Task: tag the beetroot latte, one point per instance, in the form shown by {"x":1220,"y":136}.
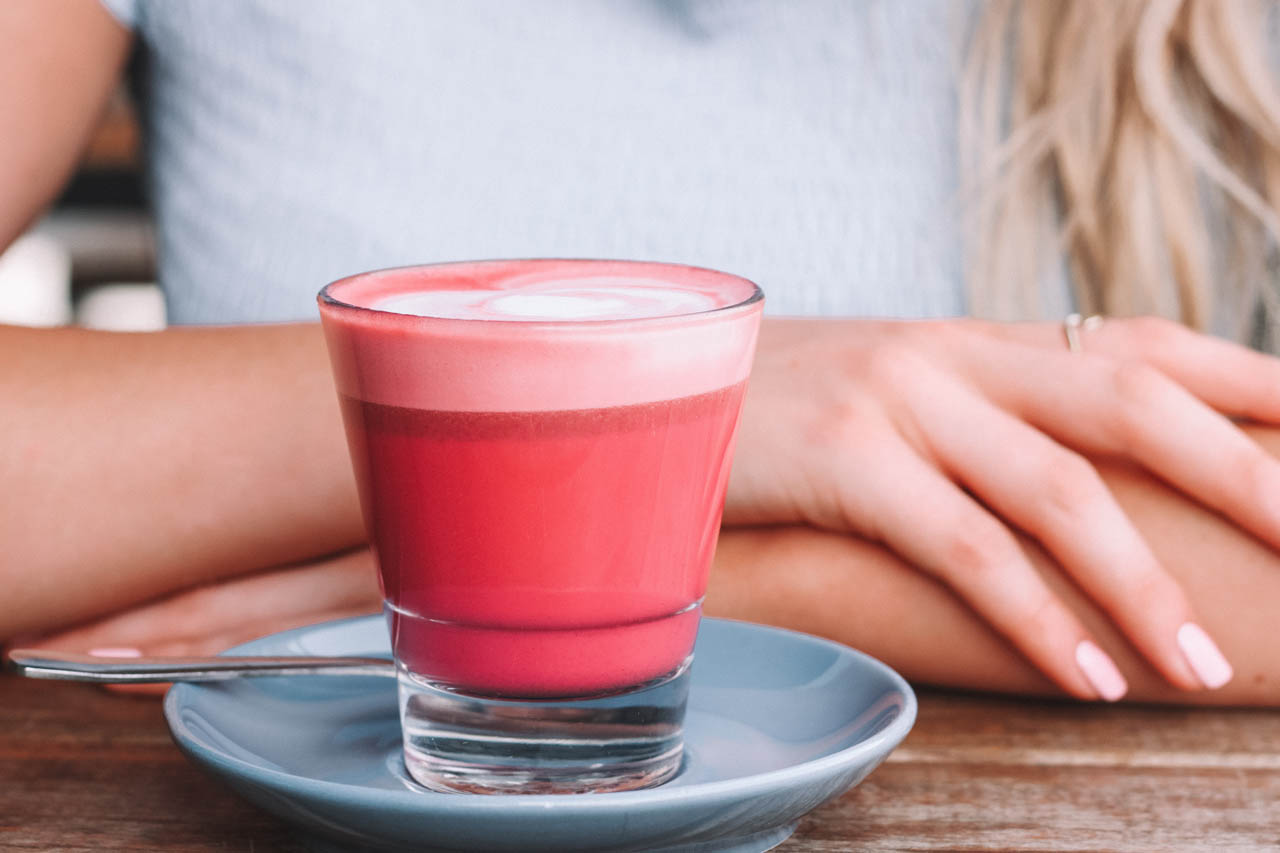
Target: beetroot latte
{"x":542,"y":450}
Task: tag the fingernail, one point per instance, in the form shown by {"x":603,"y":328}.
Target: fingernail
{"x":116,"y":652}
{"x":1210,"y":666}
{"x":1101,"y":671}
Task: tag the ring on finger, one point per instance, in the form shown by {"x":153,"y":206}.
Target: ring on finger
{"x":1073,"y":327}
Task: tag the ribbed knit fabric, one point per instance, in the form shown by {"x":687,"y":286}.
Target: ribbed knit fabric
{"x":807,"y":145}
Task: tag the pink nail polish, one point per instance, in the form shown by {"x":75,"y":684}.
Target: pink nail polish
{"x":116,"y":652}
{"x":1101,"y":671}
{"x":1202,"y":653}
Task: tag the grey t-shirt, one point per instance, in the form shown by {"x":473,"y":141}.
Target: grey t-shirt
{"x":809,"y":146}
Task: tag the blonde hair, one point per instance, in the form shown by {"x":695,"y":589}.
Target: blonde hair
{"x":1138,"y":141}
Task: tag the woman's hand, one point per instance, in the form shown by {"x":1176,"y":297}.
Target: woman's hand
{"x":209,"y":619}
{"x":940,"y":438}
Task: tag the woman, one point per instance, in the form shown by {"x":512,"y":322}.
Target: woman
{"x":978,"y":504}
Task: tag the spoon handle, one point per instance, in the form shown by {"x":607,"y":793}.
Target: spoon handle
{"x":40,"y":663}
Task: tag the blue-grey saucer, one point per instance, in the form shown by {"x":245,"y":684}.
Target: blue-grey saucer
{"x":778,"y":724}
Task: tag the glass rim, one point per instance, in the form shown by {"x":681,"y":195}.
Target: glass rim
{"x":327,"y":299}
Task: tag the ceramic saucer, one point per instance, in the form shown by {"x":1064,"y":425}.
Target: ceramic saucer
{"x":778,"y":724}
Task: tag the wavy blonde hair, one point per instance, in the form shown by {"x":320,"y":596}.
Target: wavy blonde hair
{"x":1139,"y":141}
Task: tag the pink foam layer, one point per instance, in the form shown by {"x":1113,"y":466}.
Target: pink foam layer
{"x":514,"y":365}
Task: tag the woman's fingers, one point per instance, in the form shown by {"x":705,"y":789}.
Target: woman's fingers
{"x":905,"y":502}
{"x":211,"y":644}
{"x":211,"y":618}
{"x":1131,"y":410}
{"x":1233,"y":379}
{"x":1057,"y":497}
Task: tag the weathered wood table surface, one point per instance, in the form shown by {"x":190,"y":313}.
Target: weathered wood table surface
{"x":82,"y":769}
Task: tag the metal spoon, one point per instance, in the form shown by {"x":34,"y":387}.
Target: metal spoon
{"x":40,"y":663}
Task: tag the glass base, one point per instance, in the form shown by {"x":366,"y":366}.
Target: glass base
{"x":470,"y":744}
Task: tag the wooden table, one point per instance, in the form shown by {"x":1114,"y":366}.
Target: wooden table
{"x":82,"y":769}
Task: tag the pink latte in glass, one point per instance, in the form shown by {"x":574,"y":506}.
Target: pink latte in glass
{"x":542,"y":450}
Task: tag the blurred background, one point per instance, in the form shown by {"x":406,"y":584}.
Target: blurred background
{"x":91,"y":259}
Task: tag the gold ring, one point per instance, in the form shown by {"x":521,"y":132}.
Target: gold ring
{"x":1072,"y":326}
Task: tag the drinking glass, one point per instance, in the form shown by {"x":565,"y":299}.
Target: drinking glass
{"x":541,"y":449}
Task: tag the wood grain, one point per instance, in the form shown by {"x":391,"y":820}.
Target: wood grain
{"x":981,"y":773}
{"x":83,"y":769}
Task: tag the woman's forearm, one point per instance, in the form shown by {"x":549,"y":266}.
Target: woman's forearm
{"x":861,"y":594}
{"x":137,"y":464}
{"x":59,"y":64}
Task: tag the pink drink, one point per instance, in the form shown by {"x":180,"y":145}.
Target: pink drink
{"x":542,"y":449}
